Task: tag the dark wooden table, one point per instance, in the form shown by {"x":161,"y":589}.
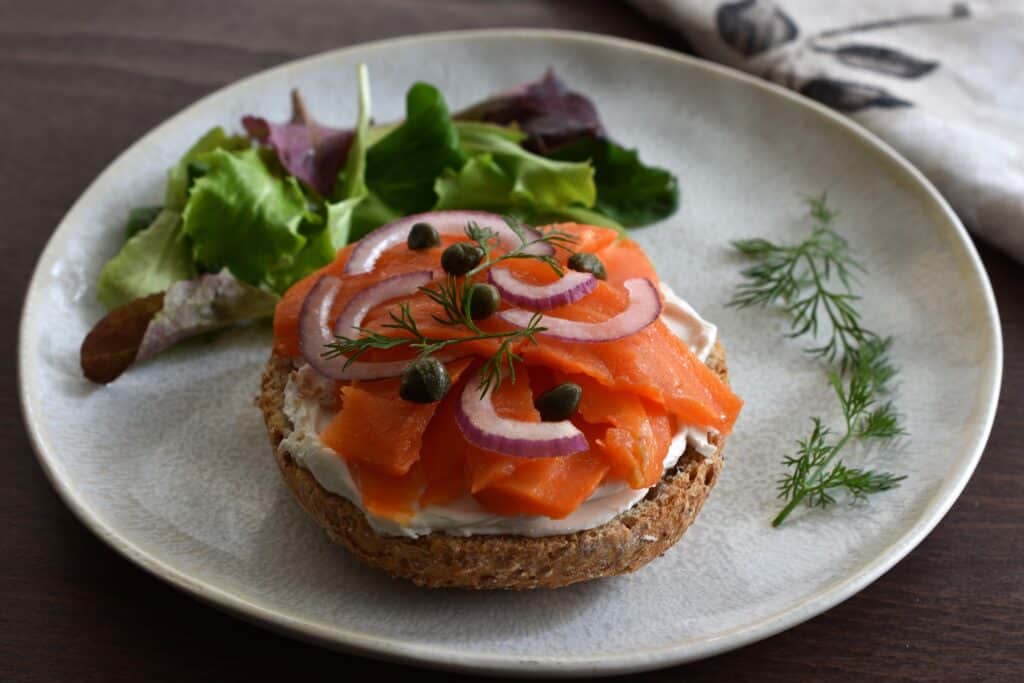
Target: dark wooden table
{"x":80,"y":81}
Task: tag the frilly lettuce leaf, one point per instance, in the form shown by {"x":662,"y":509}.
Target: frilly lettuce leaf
{"x":240,"y":216}
{"x":480,"y":184}
{"x":140,"y":218}
{"x":181,"y":175}
{"x":543,"y":183}
{"x":321,"y":248}
{"x":484,"y":185}
{"x":148,"y":262}
{"x":310,"y":151}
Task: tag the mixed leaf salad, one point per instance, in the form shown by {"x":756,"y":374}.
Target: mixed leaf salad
{"x":246,"y":216}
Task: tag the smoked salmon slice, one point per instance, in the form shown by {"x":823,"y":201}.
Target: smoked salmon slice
{"x":552,"y":487}
{"x":388,"y":496}
{"x":654,"y":363}
{"x":405,"y":456}
{"x":378,"y":429}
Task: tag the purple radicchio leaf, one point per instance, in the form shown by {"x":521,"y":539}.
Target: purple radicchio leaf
{"x":312,"y":152}
{"x":546,"y":110}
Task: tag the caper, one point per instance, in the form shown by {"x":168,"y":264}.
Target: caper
{"x":559,"y":403}
{"x":588,"y":263}
{"x":461,"y":257}
{"x":424,"y":380}
{"x":423,"y":236}
{"x":484,"y":301}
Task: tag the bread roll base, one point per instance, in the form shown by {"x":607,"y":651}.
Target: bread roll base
{"x":438,"y":560}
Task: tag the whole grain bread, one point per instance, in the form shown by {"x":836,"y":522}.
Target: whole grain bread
{"x":624,"y":544}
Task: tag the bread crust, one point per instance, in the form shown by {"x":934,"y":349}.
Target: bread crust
{"x":624,"y":544}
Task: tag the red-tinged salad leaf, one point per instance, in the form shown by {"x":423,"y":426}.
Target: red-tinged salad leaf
{"x":546,"y":110}
{"x":564,"y":125}
{"x":204,"y":304}
{"x":310,"y":151}
{"x":144,"y":327}
{"x":112,"y":345}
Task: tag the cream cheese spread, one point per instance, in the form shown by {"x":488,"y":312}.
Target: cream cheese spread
{"x":465,"y":516}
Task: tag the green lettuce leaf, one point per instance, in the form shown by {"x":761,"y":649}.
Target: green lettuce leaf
{"x":402,"y":166}
{"x":370,"y":215}
{"x":481,"y":184}
{"x":538,"y":181}
{"x":180,"y":177}
{"x":147,"y":263}
{"x":241,"y":217}
{"x":478,"y":129}
{"x":629,"y":191}
{"x":334,"y":230}
{"x":484,"y":185}
{"x":321,"y":248}
{"x":139,"y":219}
{"x":353,"y":176}
{"x":574,"y":214}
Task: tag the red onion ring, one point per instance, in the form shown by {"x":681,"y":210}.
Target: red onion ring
{"x":572,"y":287}
{"x":484,"y":428}
{"x":643,"y":309}
{"x":315,"y":331}
{"x":389,"y":288}
{"x":451,"y":223}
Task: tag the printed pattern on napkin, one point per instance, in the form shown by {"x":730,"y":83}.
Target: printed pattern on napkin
{"x":940,"y":81}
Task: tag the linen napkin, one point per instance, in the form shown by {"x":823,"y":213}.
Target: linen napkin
{"x":942,"y":82}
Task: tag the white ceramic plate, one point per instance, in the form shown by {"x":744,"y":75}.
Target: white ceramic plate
{"x":170,"y":464}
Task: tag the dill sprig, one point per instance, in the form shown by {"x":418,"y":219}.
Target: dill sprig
{"x":453,"y":295}
{"x":800,"y":278}
{"x":815,"y":473}
{"x":813,"y":283}
{"x":498,"y":365}
{"x":487,"y":239}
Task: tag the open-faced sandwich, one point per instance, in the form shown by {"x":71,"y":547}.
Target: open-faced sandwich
{"x":464,"y":401}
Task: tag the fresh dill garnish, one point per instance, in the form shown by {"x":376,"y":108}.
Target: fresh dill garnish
{"x":486,"y":239}
{"x":494,"y":368}
{"x":800,"y":278}
{"x":453,"y":296}
{"x":812,"y":282}
{"x":815,"y":473}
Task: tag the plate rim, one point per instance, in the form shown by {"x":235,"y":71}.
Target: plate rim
{"x":678,"y":652}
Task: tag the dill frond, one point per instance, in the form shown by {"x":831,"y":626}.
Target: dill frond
{"x":812,"y":282}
